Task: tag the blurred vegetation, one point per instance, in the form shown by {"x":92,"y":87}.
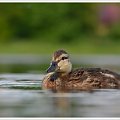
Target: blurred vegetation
{"x":63,"y":21}
{"x":44,"y":27}
{"x":32,"y":87}
{"x":41,"y":68}
{"x":20,"y":68}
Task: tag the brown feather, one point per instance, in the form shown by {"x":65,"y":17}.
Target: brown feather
{"x":86,"y":79}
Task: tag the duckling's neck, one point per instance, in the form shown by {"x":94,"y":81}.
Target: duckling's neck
{"x":64,"y":78}
{"x":63,"y":74}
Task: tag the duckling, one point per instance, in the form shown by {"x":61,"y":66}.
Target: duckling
{"x":62,"y":76}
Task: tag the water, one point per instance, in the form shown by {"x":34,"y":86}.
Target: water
{"x":21,"y":96}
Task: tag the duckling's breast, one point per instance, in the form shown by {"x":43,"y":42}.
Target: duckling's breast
{"x":48,"y":84}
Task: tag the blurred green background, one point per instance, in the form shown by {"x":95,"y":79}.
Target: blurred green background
{"x":42,"y":28}
{"x":31,"y":32}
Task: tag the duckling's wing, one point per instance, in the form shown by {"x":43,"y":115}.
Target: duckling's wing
{"x":83,"y":72}
{"x":95,"y":78}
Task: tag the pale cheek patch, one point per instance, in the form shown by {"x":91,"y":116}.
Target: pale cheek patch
{"x":65,"y":66}
{"x":61,"y":65}
{"x":107,"y":75}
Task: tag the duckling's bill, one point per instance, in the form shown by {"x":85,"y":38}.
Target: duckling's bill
{"x":53,"y":67}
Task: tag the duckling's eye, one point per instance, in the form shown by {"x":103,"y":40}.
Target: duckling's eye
{"x":63,"y":58}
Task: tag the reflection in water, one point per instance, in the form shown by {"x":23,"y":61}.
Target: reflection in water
{"x":43,"y":103}
{"x":63,"y":103}
{"x":100,"y":103}
{"x":38,"y":103}
{"x":62,"y":106}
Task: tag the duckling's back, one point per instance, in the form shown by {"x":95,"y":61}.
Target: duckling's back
{"x":94,"y":78}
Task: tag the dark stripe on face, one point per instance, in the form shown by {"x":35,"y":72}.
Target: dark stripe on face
{"x":58,"y":53}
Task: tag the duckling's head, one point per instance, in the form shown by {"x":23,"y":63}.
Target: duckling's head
{"x":60,"y":62}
